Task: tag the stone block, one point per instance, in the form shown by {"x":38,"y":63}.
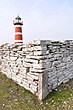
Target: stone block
{"x":13,"y":58}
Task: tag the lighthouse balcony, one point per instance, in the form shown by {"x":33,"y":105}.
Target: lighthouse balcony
{"x":17,"y":22}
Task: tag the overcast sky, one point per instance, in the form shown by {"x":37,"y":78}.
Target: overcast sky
{"x":43,"y":19}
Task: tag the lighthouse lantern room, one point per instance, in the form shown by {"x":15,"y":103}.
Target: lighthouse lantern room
{"x":18,"y":30}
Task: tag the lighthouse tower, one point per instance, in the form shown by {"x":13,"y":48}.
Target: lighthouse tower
{"x":18,"y":30}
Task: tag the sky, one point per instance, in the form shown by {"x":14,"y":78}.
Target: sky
{"x":42,"y":19}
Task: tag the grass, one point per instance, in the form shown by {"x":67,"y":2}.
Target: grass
{"x":14,"y":97}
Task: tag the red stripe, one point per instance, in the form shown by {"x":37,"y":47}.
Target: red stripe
{"x":18,"y":29}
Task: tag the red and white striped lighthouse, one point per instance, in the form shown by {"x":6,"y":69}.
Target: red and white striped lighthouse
{"x":18,"y":30}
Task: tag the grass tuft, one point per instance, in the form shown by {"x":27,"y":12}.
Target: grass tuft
{"x":14,"y":97}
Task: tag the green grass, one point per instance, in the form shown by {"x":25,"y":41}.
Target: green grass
{"x":14,"y":97}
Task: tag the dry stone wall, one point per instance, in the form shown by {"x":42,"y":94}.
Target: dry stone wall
{"x":39,"y":66}
{"x":58,"y":64}
{"x":21,"y":63}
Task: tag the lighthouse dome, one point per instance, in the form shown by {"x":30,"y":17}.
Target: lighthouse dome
{"x":18,"y":18}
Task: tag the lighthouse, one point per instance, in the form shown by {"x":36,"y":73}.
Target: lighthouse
{"x":18,"y":39}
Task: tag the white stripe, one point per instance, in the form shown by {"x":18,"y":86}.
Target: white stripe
{"x":18,"y":33}
{"x":18,"y":26}
{"x":18,"y":40}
